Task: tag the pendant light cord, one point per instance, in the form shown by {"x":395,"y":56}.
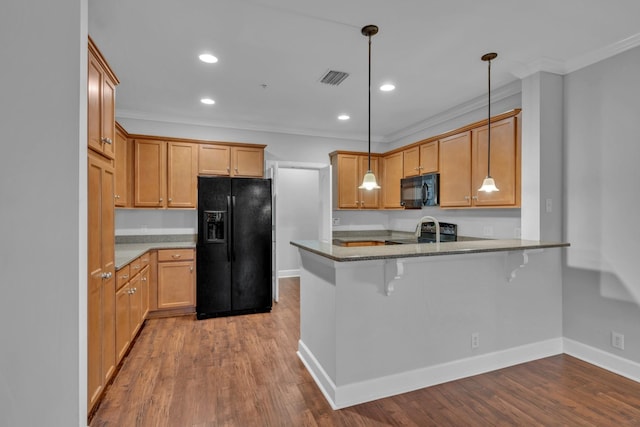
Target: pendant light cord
{"x":369,"y":113}
{"x":489,"y":121}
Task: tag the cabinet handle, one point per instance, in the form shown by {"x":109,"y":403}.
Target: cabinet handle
{"x":104,"y":275}
{"x":176,"y":256}
{"x":475,"y":197}
{"x":144,"y":279}
{"x":106,"y":140}
{"x":466,"y":197}
{"x":125,"y":276}
{"x":136,"y":267}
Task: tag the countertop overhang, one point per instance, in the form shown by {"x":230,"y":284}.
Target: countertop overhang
{"x":366,"y":253}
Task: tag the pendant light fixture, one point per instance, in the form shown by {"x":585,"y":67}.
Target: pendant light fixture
{"x":369,"y":180}
{"x":489,"y":184}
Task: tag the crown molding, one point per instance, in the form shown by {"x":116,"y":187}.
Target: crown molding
{"x":498,"y":94}
{"x":242,"y":126}
{"x":576,"y":63}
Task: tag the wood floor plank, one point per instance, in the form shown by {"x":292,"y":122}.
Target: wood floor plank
{"x":243,"y":371}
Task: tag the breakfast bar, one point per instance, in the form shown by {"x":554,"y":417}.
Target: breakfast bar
{"x":380,"y":320}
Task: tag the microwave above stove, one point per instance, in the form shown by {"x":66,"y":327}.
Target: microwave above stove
{"x":419,"y":191}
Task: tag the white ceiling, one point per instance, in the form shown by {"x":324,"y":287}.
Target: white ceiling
{"x":430,"y":49}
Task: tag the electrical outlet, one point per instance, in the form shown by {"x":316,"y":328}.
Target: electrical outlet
{"x":488,"y":230}
{"x":336,"y":221}
{"x":517,"y":232}
{"x":617,"y":340}
{"x":548,"y":205}
{"x":475,"y":340}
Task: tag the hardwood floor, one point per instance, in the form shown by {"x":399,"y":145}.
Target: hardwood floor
{"x":243,"y":371}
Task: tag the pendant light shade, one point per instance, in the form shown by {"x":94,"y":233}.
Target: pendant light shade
{"x":369,"y":180}
{"x":489,"y":184}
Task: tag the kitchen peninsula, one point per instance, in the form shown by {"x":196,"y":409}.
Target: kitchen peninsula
{"x":376,"y":321}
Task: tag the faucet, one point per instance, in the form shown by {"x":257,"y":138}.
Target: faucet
{"x":428,"y":218}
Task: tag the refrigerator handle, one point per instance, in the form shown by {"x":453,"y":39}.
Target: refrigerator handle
{"x":229,"y":237}
{"x":233,"y":237}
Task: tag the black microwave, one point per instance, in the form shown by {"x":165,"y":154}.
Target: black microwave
{"x":419,"y":191}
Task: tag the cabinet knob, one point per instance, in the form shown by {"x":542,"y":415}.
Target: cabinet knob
{"x":228,"y":169}
{"x":191,"y":269}
{"x":106,"y":275}
{"x":475,"y":197}
{"x":236,"y":169}
{"x":144,"y":279}
{"x":161,"y":199}
{"x":466,"y":197}
{"x":125,"y":276}
{"x":170,"y":199}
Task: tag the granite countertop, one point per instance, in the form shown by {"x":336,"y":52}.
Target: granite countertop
{"x":364,"y":253}
{"x":128,"y":249}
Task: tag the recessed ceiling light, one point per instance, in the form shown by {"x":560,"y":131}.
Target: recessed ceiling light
{"x":207,"y":101}
{"x":343,"y":117}
{"x":208,"y":58}
{"x":387,"y":87}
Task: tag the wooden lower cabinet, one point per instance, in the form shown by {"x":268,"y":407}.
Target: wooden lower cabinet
{"x":176,"y":279}
{"x":132,"y":302}
{"x":101,"y":275}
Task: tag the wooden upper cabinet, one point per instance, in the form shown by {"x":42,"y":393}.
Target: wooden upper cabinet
{"x":429,"y":157}
{"x":455,"y":170}
{"x":214,"y":159}
{"x":182,"y":172}
{"x":101,"y":84}
{"x":230,"y":160}
{"x":247,"y":161}
{"x":505,"y":163}
{"x":369,"y":199}
{"x":123,"y":165}
{"x":150,"y":173}
{"x":463,"y":166}
{"x":392,"y":173}
{"x":348,"y":171}
{"x":411,"y":162}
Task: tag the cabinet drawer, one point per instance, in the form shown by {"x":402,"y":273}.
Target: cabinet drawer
{"x":122,"y":276}
{"x":134,"y":267}
{"x":144,"y":260}
{"x":175,"y":254}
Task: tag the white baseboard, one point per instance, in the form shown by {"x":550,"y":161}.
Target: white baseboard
{"x":603,"y":359}
{"x":288,"y":273}
{"x":377,"y":388}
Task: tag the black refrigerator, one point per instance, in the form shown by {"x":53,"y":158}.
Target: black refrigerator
{"x":234,"y":266}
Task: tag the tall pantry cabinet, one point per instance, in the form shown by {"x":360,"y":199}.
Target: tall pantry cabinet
{"x":101,"y":351}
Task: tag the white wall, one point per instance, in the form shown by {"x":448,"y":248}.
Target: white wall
{"x":601,"y":285}
{"x":156,"y":221}
{"x":297,"y":215}
{"x":43,"y":224}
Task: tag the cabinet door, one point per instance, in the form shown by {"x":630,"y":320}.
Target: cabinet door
{"x":144,"y":292}
{"x":123,"y":321}
{"x":150,"y":173}
{"x":455,"y":170}
{"x":247,"y":161}
{"x":411,"y":162}
{"x":108,"y":121}
{"x":101,"y":276}
{"x":176,"y":284}
{"x":214,"y":160}
{"x":122,"y":170}
{"x":429,"y":157}
{"x":94,"y":104}
{"x":504,"y":154}
{"x":369,"y":199}
{"x":392,"y":172}
{"x":348,"y":166}
{"x":182,"y":173}
{"x":135,"y":306}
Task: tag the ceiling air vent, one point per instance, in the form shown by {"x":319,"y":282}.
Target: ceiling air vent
{"x":334,"y":78}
